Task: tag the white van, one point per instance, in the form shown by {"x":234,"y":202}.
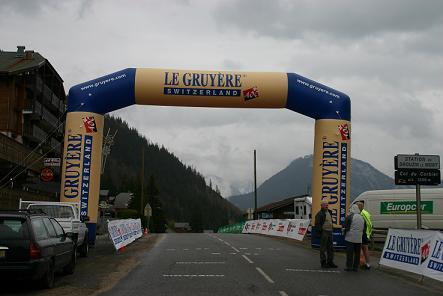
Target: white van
{"x":397,"y":208}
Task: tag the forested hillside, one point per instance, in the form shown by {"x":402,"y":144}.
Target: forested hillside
{"x":182,"y":191}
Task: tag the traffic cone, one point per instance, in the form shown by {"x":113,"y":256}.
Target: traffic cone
{"x":122,"y":249}
{"x":145,"y":233}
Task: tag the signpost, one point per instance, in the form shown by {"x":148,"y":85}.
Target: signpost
{"x":416,"y":169}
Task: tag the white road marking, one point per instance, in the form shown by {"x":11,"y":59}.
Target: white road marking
{"x":247,"y":259}
{"x":247,"y":253}
{"x":312,"y":270}
{"x":193,"y":275}
{"x":235,"y":249}
{"x":283,"y":293}
{"x":264,"y":275}
{"x":243,"y":248}
{"x":215,"y":253}
{"x":185,"y":249}
{"x":258,"y":248}
{"x":200,"y":262}
{"x":233,"y":253}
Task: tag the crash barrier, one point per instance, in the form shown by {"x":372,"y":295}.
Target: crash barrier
{"x":290,"y":228}
{"x":232,"y":228}
{"x":125,"y":231}
{"x":417,"y":251}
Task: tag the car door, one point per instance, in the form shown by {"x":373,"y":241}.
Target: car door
{"x":66,"y":245}
{"x":41,"y":237}
{"x":59,"y":252}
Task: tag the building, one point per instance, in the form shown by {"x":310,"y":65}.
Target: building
{"x":296,"y":207}
{"x":32,"y":106}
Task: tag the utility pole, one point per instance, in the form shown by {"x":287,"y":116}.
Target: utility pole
{"x":142,"y":181}
{"x":418,"y":203}
{"x":255,"y":185}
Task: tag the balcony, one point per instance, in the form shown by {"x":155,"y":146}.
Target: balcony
{"x":18,"y":154}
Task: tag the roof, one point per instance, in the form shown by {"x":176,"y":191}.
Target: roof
{"x":13,"y":64}
{"x":122,"y":200}
{"x":279,"y":204}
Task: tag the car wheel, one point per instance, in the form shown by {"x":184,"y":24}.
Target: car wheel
{"x":47,"y":281}
{"x":84,"y":248}
{"x":69,"y":269}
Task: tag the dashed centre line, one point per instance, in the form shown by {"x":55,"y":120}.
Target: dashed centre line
{"x":247,"y":259}
{"x":312,"y":270}
{"x":267,"y":277}
{"x":200,"y":262}
{"x":283,"y":293}
{"x":193,"y":275}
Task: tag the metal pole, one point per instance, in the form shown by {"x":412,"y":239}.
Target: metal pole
{"x":142,"y":180}
{"x":418,"y":200}
{"x":255,"y":185}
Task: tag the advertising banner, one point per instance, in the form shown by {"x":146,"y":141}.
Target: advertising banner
{"x":80,"y":180}
{"x":407,"y":249}
{"x":297,"y":228}
{"x":123,"y":232}
{"x":331,"y":173}
{"x":433,"y":264}
{"x":211,"y":88}
{"x":294,"y":228}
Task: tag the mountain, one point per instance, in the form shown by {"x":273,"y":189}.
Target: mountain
{"x":295,"y":179}
{"x":182,"y":191}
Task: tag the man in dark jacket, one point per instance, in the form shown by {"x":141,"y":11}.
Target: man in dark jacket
{"x":324,"y":228}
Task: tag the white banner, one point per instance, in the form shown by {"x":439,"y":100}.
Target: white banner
{"x":124,"y":232}
{"x":417,"y":251}
{"x":433,"y":264}
{"x":294,"y":228}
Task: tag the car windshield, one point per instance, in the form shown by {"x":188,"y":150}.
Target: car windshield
{"x":12,"y":228}
{"x":55,"y":211}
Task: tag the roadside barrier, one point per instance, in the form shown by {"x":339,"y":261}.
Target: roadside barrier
{"x":417,"y":251}
{"x":290,"y":228}
{"x":125,"y":231}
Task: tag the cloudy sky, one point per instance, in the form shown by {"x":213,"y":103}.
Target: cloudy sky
{"x":386,"y":55}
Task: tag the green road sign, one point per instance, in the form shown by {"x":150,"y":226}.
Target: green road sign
{"x":405,"y":207}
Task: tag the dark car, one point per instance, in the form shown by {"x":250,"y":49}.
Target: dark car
{"x":34,"y":246}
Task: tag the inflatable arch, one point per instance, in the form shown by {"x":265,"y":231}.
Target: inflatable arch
{"x":89,"y":101}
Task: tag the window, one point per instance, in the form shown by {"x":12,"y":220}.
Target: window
{"x":304,"y":210}
{"x":58,"y":228}
{"x":39,"y":228}
{"x":296,"y":210}
{"x":11,"y":228}
{"x":55,"y":211}
{"x":49,"y":227}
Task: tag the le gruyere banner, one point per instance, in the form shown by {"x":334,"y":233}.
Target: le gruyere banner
{"x":210,"y":88}
{"x":331,"y":168}
{"x":80,"y":180}
{"x":417,"y":251}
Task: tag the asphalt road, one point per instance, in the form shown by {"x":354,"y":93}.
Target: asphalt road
{"x":233,"y":264}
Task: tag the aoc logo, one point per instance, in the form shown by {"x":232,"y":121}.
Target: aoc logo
{"x":89,"y":123}
{"x":202,"y":84}
{"x":424,"y":251}
{"x":250,"y":93}
{"x":344,"y":132}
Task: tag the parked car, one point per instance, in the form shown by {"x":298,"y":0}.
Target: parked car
{"x":33,"y":246}
{"x":68,"y":215}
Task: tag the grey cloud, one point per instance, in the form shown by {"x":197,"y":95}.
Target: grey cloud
{"x":343,"y":19}
{"x":27,"y":7}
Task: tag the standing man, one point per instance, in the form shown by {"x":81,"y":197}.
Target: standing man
{"x":324,"y":228}
{"x":366,"y":235}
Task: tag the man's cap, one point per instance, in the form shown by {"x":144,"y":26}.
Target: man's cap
{"x":324,"y":202}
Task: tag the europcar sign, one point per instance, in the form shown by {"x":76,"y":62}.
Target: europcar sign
{"x":405,"y":207}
